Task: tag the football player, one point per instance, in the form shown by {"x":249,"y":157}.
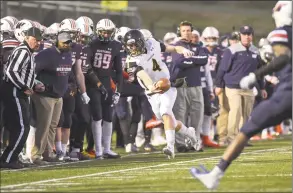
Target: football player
{"x":277,"y":108}
{"x":62,"y":135}
{"x":81,"y":121}
{"x":169,"y":38}
{"x":7,"y":44}
{"x":144,"y":64}
{"x":210,"y":36}
{"x":103,"y":54}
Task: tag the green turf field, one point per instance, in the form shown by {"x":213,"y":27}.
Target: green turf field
{"x":265,"y":167}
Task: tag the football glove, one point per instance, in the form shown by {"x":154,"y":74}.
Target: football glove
{"x":103,"y":91}
{"x":85,"y":98}
{"x":115,"y":97}
{"x":248,"y":81}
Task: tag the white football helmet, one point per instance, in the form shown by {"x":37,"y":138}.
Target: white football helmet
{"x":6,"y":28}
{"x":282,"y":13}
{"x":195,"y":32}
{"x":21,"y":27}
{"x":55,"y":27}
{"x":70,"y":26}
{"x":210,"y":32}
{"x":266,"y":53}
{"x":105,"y":27}
{"x":86,"y":33}
{"x":169,"y":37}
{"x":121,"y":33}
{"x":262,"y":42}
{"x":13,"y":20}
{"x":146,"y":34}
{"x":85,"y":20}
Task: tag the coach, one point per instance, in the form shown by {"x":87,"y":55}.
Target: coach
{"x":238,"y":61}
{"x":16,"y":90}
{"x":189,"y":99}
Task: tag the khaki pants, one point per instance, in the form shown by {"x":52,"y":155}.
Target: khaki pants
{"x":241,"y":104}
{"x":48,"y":111}
{"x":222,"y":120}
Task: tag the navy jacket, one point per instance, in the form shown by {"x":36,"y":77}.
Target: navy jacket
{"x":237,"y":62}
{"x":189,"y":67}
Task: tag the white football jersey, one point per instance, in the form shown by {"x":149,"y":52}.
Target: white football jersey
{"x":151,"y":61}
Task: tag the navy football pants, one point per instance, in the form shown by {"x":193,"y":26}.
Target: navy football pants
{"x":270,"y":112}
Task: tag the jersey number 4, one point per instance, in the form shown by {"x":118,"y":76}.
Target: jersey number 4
{"x":156,"y":66}
{"x":102,"y":60}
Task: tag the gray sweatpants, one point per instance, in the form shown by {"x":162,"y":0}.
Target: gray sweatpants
{"x":189,"y":104}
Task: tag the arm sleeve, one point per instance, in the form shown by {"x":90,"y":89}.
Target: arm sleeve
{"x":118,"y":69}
{"x":87,"y":69}
{"x":183,"y":63}
{"x":224,"y":66}
{"x":261,"y":82}
{"x":275,"y":65}
{"x":41,"y":61}
{"x":209,"y":78}
{"x":17,"y":62}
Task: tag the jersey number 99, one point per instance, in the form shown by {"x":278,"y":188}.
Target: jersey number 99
{"x":156,"y":66}
{"x":102,"y":60}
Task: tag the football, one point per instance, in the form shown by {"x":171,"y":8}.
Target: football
{"x":163,"y":84}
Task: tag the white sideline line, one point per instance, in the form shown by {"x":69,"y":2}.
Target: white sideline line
{"x":74,"y":162}
{"x":130,"y":169}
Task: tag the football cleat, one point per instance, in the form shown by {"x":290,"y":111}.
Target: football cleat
{"x":149,"y":147}
{"x":111,"y":155}
{"x":153,"y":123}
{"x":209,"y":143}
{"x":131,"y":148}
{"x":170,"y":154}
{"x":210,"y":179}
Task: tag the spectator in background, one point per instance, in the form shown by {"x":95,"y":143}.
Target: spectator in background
{"x":189,"y":101}
{"x":53,"y":67}
{"x":238,"y":61}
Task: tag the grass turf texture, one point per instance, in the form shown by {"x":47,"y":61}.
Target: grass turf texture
{"x":265,"y":167}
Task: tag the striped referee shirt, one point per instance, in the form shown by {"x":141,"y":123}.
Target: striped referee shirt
{"x":21,"y":67}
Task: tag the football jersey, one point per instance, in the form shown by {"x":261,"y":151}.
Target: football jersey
{"x":7,"y":46}
{"x":167,"y":59}
{"x":151,"y":62}
{"x":103,"y":58}
{"x":214,"y":60}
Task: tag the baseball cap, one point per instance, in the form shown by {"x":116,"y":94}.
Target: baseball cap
{"x":246,"y":30}
{"x":34,"y":32}
{"x":64,"y":37}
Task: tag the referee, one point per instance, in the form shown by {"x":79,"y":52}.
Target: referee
{"x":19,"y":80}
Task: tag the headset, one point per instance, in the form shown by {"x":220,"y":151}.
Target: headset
{"x":187,"y":23}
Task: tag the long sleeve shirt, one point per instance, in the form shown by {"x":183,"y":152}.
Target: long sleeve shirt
{"x":21,"y":67}
{"x":237,"y":62}
{"x":189,"y":67}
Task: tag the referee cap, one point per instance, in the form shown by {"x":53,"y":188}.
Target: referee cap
{"x":34,"y":32}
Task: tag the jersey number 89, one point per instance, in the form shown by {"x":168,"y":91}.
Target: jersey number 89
{"x":102,"y":60}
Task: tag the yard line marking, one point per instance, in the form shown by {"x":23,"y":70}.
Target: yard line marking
{"x":130,"y":169}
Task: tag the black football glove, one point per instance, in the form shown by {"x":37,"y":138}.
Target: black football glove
{"x":103,"y":91}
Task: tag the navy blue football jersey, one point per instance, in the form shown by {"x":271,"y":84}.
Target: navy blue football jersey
{"x":103,"y":58}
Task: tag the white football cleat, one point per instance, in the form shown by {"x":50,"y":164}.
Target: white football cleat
{"x":209,"y":179}
{"x":169,"y":152}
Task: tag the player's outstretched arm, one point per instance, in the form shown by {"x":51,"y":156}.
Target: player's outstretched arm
{"x":282,"y":57}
